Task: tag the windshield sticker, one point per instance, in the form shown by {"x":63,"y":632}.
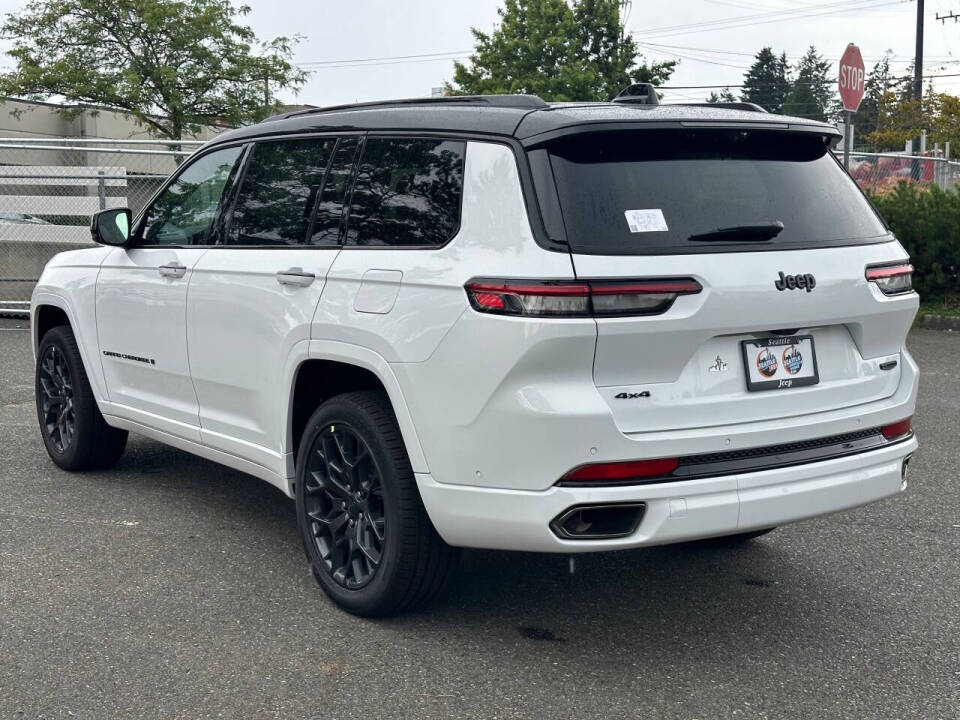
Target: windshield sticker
{"x":641,"y":221}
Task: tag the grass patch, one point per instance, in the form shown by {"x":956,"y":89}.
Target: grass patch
{"x":949,"y":305}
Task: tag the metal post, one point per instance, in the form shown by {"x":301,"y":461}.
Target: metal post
{"x":918,"y":81}
{"x":847,"y":120}
{"x":102,"y":190}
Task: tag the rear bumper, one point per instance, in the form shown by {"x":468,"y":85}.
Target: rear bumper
{"x":506,"y":519}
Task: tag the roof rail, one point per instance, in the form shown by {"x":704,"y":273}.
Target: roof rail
{"x":746,"y":106}
{"x":638,"y":94}
{"x":531,"y":102}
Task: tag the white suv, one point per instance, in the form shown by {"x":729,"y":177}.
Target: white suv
{"x":495,"y":322}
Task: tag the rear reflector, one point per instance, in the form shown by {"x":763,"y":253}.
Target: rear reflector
{"x":892,"y":279}
{"x":897,"y":429}
{"x":577,"y":299}
{"x":617,"y":471}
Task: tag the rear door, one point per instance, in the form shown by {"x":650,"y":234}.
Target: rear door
{"x":141,"y":298}
{"x":777,"y":236}
{"x":384,"y":290}
{"x":253,"y":295}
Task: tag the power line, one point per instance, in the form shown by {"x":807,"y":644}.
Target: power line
{"x":438,"y":55}
{"x":698,"y":27}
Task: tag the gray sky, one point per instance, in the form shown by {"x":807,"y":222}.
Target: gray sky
{"x":713,"y":39}
{"x":709,"y":52}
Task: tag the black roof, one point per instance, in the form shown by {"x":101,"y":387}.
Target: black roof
{"x":525,"y":117}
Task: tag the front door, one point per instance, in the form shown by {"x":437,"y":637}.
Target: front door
{"x":141,"y":299}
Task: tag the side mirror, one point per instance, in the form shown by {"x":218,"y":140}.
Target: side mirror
{"x":111,"y":227}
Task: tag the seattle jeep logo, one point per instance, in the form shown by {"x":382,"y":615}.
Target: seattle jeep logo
{"x":792,"y":360}
{"x":793,"y":282}
{"x":767,"y":363}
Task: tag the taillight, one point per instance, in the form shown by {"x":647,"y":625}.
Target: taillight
{"x":615,"y":472}
{"x":892,"y":279}
{"x":897,"y":429}
{"x":588,"y":298}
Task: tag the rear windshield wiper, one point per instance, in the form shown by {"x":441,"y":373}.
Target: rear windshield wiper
{"x":757,"y":232}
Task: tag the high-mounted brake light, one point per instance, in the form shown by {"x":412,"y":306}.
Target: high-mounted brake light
{"x":897,"y":429}
{"x":620,"y":471}
{"x":590,"y":298}
{"x":892,"y":279}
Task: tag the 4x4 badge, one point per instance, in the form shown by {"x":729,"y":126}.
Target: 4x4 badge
{"x":632,"y":396}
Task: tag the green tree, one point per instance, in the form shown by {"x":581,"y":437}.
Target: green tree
{"x":767,"y":82}
{"x":811,"y":91}
{"x":174,"y":65}
{"x":559,"y":51}
{"x":725,"y":96}
{"x":902,"y":120}
{"x":876,"y":91}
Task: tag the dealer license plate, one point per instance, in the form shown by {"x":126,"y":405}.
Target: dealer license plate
{"x":778,"y":363}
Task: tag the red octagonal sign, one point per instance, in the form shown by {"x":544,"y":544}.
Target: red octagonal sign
{"x":851,"y":78}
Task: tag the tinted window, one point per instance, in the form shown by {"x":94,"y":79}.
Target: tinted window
{"x":407,"y":192}
{"x":326,"y":224}
{"x":183,"y":213}
{"x":278,"y":192}
{"x":649,"y":191}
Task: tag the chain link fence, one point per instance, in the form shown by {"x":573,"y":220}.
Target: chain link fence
{"x":882,"y":172}
{"x":50,"y":187}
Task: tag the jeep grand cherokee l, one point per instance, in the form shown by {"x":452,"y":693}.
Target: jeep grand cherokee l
{"x":496,"y":322}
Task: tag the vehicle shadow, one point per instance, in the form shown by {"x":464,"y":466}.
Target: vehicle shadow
{"x":704,"y":599}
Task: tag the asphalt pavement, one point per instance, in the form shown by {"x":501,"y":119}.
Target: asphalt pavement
{"x":171,"y":587}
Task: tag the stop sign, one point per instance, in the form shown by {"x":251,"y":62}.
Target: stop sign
{"x":851,"y":78}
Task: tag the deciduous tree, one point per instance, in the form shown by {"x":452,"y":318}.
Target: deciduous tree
{"x":174,"y":65}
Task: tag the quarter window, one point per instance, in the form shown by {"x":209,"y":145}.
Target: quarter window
{"x":184,"y":212}
{"x":407,"y":192}
{"x":278,"y":192}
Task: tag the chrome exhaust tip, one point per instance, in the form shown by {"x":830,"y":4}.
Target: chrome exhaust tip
{"x":598,"y":522}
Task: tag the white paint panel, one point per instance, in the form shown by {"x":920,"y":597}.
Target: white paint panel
{"x":65,"y":175}
{"x":57,"y":204}
{"x":27,"y":233}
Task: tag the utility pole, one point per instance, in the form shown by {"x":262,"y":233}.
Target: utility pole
{"x":915,"y":170}
{"x":952,"y":16}
{"x":918,"y":57}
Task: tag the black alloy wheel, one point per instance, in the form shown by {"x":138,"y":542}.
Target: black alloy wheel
{"x":371,"y":546}
{"x":344,"y":504}
{"x":56,"y":399}
{"x":75,"y":433}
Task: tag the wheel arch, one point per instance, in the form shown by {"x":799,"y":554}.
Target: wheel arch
{"x":330,"y":368}
{"x":49,"y":310}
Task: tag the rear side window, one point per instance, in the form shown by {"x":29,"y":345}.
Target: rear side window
{"x":279,"y":189}
{"x":326,"y":224}
{"x":671,"y":191}
{"x":407,"y":192}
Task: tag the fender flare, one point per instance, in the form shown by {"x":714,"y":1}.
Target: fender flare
{"x":362,"y":357}
{"x":94,"y":370}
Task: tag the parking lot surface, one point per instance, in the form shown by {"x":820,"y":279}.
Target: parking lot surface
{"x":171,"y":587}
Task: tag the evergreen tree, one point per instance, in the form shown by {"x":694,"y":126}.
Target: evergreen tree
{"x":810,"y":95}
{"x":725,"y":96}
{"x":557,"y":50}
{"x":878,"y":84}
{"x":767,"y":82}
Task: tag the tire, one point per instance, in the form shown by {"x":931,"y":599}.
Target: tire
{"x":357,"y":503}
{"x":73,"y":430}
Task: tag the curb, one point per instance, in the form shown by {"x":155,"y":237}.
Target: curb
{"x":949,"y":323}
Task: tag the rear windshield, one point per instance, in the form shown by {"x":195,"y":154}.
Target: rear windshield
{"x":681,"y":191}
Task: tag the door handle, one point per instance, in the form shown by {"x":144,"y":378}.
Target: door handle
{"x":295,"y":276}
{"x":172,"y":270}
